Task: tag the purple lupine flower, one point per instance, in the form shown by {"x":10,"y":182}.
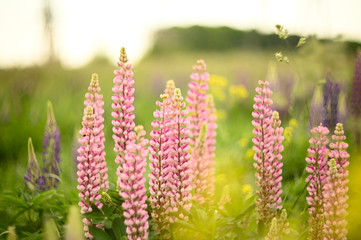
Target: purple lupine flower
{"x":356,"y":87}
{"x":317,"y":169}
{"x":123,"y":122}
{"x":94,"y":100}
{"x":161,"y":166}
{"x":276,"y":164}
{"x":264,"y":141}
{"x":331,"y":91}
{"x":33,"y":178}
{"x":200,"y":168}
{"x":89,"y":182}
{"x":197,"y":100}
{"x":336,"y":188}
{"x":181,"y":181}
{"x":131,"y":181}
{"x":51,"y":153}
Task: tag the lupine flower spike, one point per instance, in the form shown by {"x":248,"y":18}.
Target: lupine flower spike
{"x":279,"y":227}
{"x":161,"y":166}
{"x":88,"y":169}
{"x":51,"y":153}
{"x":94,"y":100}
{"x":201,"y":173}
{"x":276,"y":164}
{"x":197,"y":100}
{"x":123,"y":116}
{"x":132,"y":186}
{"x":181,"y":179}
{"x":264,"y":143}
{"x":170,"y":87}
{"x":336,"y":188}
{"x":33,"y":178}
{"x":317,"y":169}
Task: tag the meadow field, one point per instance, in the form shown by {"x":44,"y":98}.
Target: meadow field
{"x":234,"y":75}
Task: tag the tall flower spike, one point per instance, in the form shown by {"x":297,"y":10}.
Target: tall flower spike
{"x":161,"y":168}
{"x":181,"y":181}
{"x":317,"y":169}
{"x":276,"y":164}
{"x":95,"y":100}
{"x":201,"y":173}
{"x":88,"y":169}
{"x":197,"y":100}
{"x":51,"y":153}
{"x":123,"y":116}
{"x":132,"y":184}
{"x":336,"y":188}
{"x":279,"y":227}
{"x":170,"y":89}
{"x":356,"y":87}
{"x":264,"y":143}
{"x":33,"y":178}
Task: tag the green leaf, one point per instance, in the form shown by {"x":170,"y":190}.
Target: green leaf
{"x":12,"y":201}
{"x":117,"y":227}
{"x":108,"y":224}
{"x":97,"y":220}
{"x":108,"y":210}
{"x":99,"y":234}
{"x":43,"y":197}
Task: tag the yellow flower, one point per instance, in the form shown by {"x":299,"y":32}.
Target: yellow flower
{"x":218,"y":80}
{"x":238,"y":91}
{"x":247,"y":190}
{"x":288,"y":135}
{"x":293,"y":122}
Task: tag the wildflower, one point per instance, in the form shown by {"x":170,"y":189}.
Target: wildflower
{"x":133,"y":189}
{"x":88,"y":168}
{"x":161,"y":166}
{"x":94,"y":100}
{"x":238,"y":91}
{"x":282,"y":32}
{"x":336,"y":189}
{"x":197,"y":100}
{"x":33,"y":178}
{"x":217,"y":85}
{"x":276,"y":164}
{"x":301,"y":42}
{"x":181,"y":181}
{"x":279,"y":227}
{"x":123,"y":116}
{"x":202,"y":169}
{"x":51,"y":153}
{"x":266,"y":153}
{"x":247,"y":191}
{"x":170,"y":89}
{"x":317,"y":169}
{"x":279,"y":57}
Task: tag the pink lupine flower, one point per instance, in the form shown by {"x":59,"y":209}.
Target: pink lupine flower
{"x":276,"y":164}
{"x":336,"y":189}
{"x":131,"y":181}
{"x":201,"y":169}
{"x":88,"y":167}
{"x":123,"y":122}
{"x":161,"y":167}
{"x":181,"y":182}
{"x":94,"y":100}
{"x":317,"y":168}
{"x":266,"y":163}
{"x":196,"y":100}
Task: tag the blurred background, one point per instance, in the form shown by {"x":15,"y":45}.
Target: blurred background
{"x":50,"y":48}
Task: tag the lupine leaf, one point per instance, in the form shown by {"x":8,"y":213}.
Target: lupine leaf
{"x":99,"y":234}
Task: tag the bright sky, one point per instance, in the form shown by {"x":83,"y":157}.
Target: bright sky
{"x":86,"y":27}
